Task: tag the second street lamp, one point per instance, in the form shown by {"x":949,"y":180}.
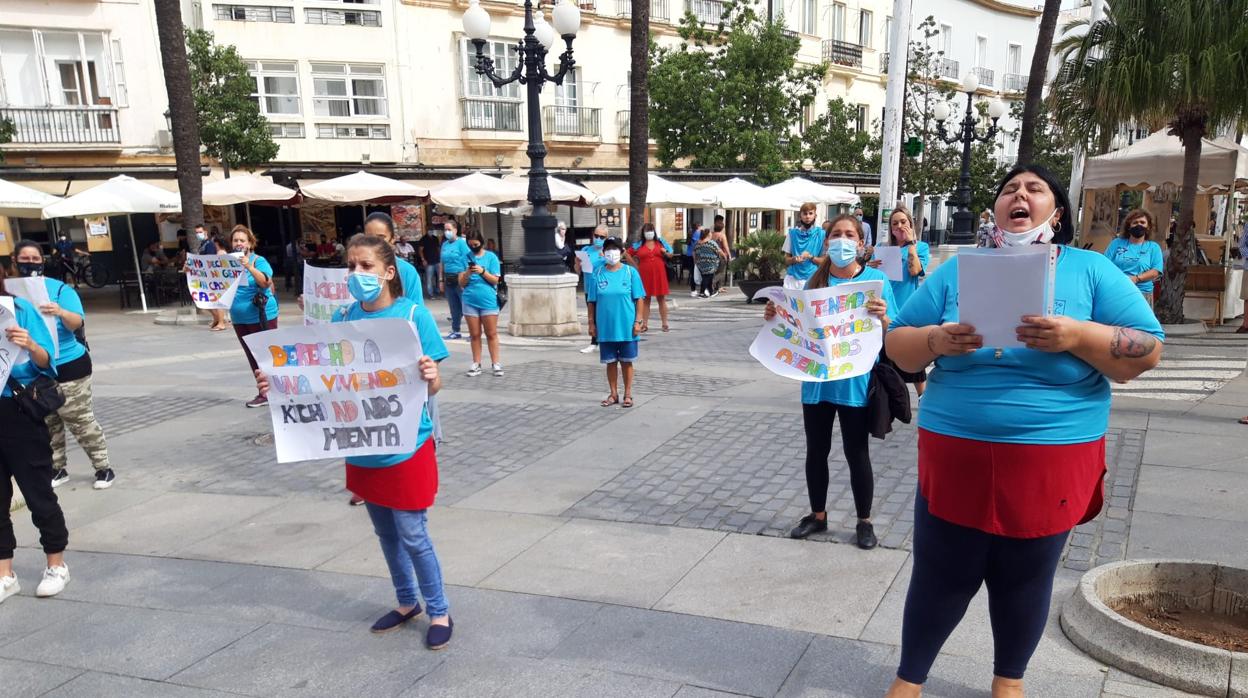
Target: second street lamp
{"x":967,"y":135}
{"x":540,"y":257}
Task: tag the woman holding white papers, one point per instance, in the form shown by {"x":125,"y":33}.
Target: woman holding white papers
{"x":915,"y":257}
{"x":254,"y":308}
{"x":1135,"y":253}
{"x":73,"y":373}
{"x":803,"y":248}
{"x":823,"y":403}
{"x":1011,"y":440}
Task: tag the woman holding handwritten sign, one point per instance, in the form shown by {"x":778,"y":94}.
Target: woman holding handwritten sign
{"x":255,"y":304}
{"x":915,"y":256}
{"x":1011,"y":441}
{"x":823,"y":402}
{"x":398,"y":489}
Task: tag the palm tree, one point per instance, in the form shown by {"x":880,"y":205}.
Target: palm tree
{"x":639,"y":116}
{"x":1035,"y":80}
{"x":181,"y":109}
{"x":1183,"y":63}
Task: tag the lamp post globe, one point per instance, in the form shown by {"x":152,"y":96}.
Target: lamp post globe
{"x":566,"y":17}
{"x":476,"y":21}
{"x":967,"y":134}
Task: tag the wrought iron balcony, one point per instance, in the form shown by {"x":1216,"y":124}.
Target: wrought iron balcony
{"x":948,"y":69}
{"x":986,"y":76}
{"x":81,"y":125}
{"x":658,"y":10}
{"x":491,"y":115}
{"x":884,"y":62}
{"x":623,"y":124}
{"x":840,"y":52}
{"x":707,"y":11}
{"x":560,"y":120}
{"x":1014,"y":82}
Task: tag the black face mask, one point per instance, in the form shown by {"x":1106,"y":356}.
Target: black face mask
{"x":30,"y":268}
{"x":475,"y":248}
{"x":1137,"y":231}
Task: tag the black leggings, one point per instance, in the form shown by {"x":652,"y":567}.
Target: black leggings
{"x":950,"y":563}
{"x":708,"y":284}
{"x":26,"y":457}
{"x":818,"y":419}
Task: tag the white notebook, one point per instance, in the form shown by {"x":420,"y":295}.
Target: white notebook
{"x":997,"y":287}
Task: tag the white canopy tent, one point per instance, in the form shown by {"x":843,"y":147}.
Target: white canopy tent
{"x":737,"y":193}
{"x":803,"y":190}
{"x":17,"y":201}
{"x":364,"y":188}
{"x":1158,"y":160}
{"x":121,"y":195}
{"x":660,"y":193}
{"x":247,"y":188}
{"x":475,"y":191}
{"x":561,"y":191}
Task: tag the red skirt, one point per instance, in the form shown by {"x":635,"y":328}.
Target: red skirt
{"x":1013,"y":490}
{"x":653,"y":271}
{"x":411,"y":485}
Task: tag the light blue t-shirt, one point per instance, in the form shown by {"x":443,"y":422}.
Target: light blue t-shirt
{"x":615,"y":295}
{"x":479,"y":293}
{"x":430,"y":343}
{"x":850,"y":392}
{"x":902,"y":290}
{"x":28,"y":317}
{"x":1027,"y":396}
{"x":69,"y":349}
{"x":455,"y":255}
{"x":413,"y":290}
{"x":1135,"y":259}
{"x":798,"y":241}
{"x":242,"y":311}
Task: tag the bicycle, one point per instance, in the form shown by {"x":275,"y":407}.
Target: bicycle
{"x":80,"y":269}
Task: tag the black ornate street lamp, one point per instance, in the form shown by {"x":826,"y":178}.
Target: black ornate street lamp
{"x":540,"y":257}
{"x":967,"y":135}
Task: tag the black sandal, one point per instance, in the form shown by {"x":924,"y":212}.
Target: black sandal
{"x":612,"y":399}
{"x":628,"y":401}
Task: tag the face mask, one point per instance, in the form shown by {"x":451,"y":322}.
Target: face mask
{"x":475,"y":248}
{"x":1138,"y":231}
{"x":30,"y":268}
{"x":598,"y":242}
{"x":364,"y":287}
{"x":842,"y":251}
{"x":1042,"y":234}
{"x":649,"y":234}
{"x":612,"y":256}
{"x":450,"y":235}
{"x":201,"y":236}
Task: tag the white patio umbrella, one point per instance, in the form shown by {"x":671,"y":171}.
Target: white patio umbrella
{"x":736,"y":193}
{"x":247,"y":188}
{"x":121,"y":195}
{"x":804,"y":190}
{"x":364,"y":188}
{"x":660,"y":193}
{"x":17,"y":201}
{"x":561,"y":191}
{"x":476,"y":191}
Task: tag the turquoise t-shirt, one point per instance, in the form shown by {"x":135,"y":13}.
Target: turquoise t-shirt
{"x":413,"y":290}
{"x":430,"y":343}
{"x":242,"y":311}
{"x":28,"y":317}
{"x":455,"y":256}
{"x":1135,"y":259}
{"x":70,"y":349}
{"x":1027,"y":396}
{"x":801,"y":240}
{"x":850,"y":392}
{"x":902,"y":290}
{"x":479,"y":293}
{"x":615,"y":295}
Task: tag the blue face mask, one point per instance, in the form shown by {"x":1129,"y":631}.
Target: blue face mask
{"x":842,"y":251}
{"x":599,"y":242}
{"x":364,"y":287}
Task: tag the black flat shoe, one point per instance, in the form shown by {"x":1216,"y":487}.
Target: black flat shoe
{"x":808,"y":525}
{"x":439,"y":636}
{"x":866,"y":535}
{"x":394,"y":619}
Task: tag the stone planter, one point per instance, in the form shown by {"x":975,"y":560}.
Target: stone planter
{"x":1094,"y":627}
{"x":753,"y":286}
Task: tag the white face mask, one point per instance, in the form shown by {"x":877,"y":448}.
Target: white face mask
{"x":450,"y":235}
{"x":612,"y":257}
{"x":1042,"y":234}
{"x":649,"y":234}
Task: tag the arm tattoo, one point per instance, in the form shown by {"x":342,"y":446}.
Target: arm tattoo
{"x":1131,"y":344}
{"x":931,"y":342}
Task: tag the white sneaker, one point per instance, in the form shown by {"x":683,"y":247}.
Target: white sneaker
{"x":693,"y":294}
{"x":53,"y":582}
{"x":498,"y":370}
{"x":8,"y":587}
{"x":474,"y":371}
{"x":587,"y":349}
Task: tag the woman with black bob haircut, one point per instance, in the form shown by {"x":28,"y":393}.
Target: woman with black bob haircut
{"x":382,"y":225}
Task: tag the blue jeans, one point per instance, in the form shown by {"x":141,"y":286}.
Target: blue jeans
{"x":409,"y":553}
{"x":431,"y":279}
{"x":455,"y":299}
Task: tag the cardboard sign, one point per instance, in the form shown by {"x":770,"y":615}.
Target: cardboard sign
{"x":213,"y":279}
{"x":324,"y":292}
{"x":35,"y":290}
{"x":819,"y":335}
{"x":342,"y":390}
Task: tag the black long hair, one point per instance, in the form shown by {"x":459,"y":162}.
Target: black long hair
{"x":384,"y":218}
{"x":1066,"y":230}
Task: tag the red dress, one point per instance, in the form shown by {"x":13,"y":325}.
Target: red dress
{"x":410,"y":485}
{"x":652,"y":268}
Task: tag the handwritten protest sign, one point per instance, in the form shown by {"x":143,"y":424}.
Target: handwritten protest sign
{"x":213,"y":279}
{"x":342,"y":390}
{"x":10,"y":353}
{"x":35,"y":290}
{"x":823,"y":334}
{"x":324,"y":292}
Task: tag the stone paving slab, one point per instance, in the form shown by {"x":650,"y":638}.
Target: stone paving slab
{"x":33,"y":679}
{"x":300,"y":533}
{"x":1155,"y":535}
{"x":559,"y":377}
{"x":168,"y":523}
{"x":318,"y":600}
{"x":122,"y":415}
{"x":514,"y":677}
{"x":93,"y":684}
{"x":1186,"y":491}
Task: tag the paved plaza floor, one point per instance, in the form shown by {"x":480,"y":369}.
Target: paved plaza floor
{"x":589,"y":551}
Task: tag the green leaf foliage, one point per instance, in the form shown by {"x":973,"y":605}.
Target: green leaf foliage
{"x":760,"y":256}
{"x":833,"y":141}
{"x":8,"y":129}
{"x":231,"y":127}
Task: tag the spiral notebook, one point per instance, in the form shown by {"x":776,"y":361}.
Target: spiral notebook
{"x":997,"y":287}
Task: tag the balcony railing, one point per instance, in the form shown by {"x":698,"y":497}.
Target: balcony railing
{"x":842,"y":53}
{"x":63,"y":125}
{"x":707,"y":11}
{"x":1015,"y":82}
{"x":491,"y":115}
{"x":986,"y":76}
{"x":658,"y":10}
{"x":623,"y":124}
{"x":560,"y":120}
{"x":948,"y":69}
{"x":884,"y":62}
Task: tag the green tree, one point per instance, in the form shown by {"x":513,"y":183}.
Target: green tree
{"x":731,"y":95}
{"x":231,"y":127}
{"x":935,"y":171}
{"x":8,"y":130}
{"x":1184,"y":62}
{"x":1051,"y":146}
{"x":835,"y":142}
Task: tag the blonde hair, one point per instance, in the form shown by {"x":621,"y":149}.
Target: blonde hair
{"x":251,"y":237}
